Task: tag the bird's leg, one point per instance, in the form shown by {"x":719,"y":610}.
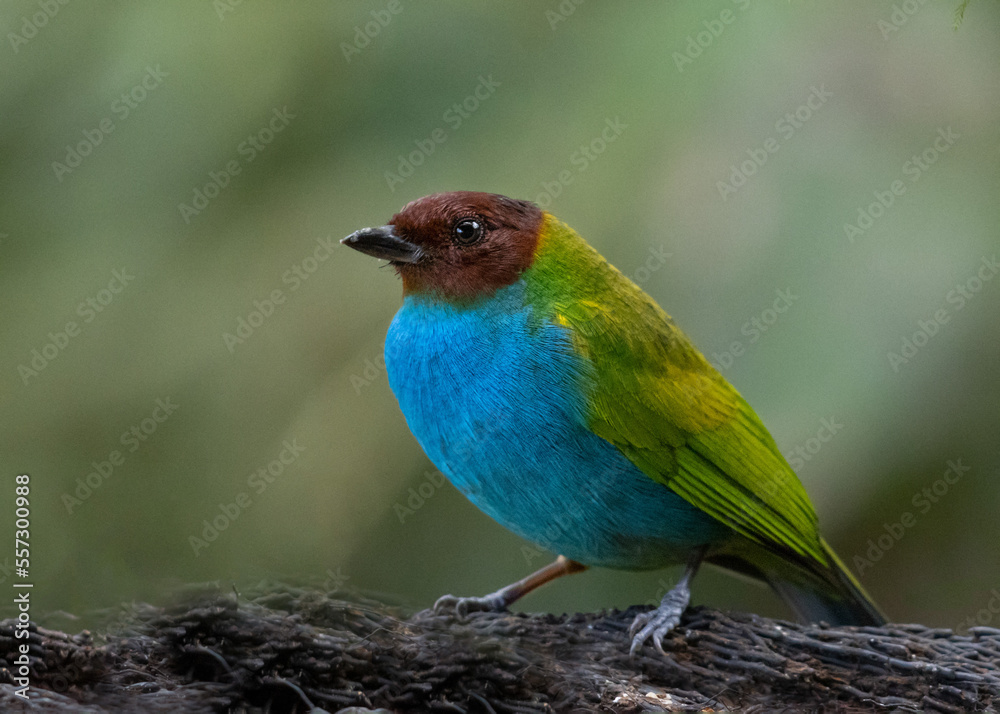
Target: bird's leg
{"x":657,"y":623}
{"x":505,"y":597}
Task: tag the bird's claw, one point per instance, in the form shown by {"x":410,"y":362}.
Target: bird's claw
{"x":464,"y":605}
{"x":658,"y":623}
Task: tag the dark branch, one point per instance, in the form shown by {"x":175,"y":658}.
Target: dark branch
{"x":287,"y":649}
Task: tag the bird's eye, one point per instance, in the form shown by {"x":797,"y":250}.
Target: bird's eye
{"x":468,"y":231}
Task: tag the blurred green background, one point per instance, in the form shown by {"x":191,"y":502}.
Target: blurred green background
{"x":207,"y":152}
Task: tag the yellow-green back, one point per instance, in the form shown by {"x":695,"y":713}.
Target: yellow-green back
{"x":664,"y":406}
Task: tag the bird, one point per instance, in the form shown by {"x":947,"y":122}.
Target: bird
{"x":563,"y":402}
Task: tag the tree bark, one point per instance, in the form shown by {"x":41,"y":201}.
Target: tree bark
{"x":282,"y":649}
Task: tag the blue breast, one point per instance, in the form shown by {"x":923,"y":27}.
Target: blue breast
{"x":497,"y":399}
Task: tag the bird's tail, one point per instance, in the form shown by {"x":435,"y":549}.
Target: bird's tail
{"x":838,"y":600}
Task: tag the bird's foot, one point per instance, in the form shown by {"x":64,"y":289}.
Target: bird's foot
{"x":494,"y":602}
{"x":656,"y":624}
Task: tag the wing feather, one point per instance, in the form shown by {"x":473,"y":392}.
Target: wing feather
{"x":678,"y":420}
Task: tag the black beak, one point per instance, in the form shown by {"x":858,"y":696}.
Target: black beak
{"x":382,"y":242}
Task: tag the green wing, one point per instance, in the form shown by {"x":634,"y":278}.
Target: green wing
{"x":666,"y":408}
